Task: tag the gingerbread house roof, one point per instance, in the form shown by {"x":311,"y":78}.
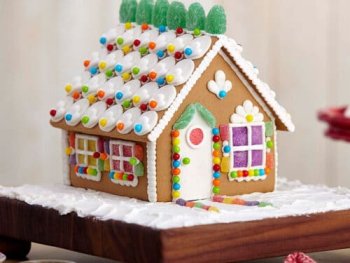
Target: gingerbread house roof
{"x":140,"y":77}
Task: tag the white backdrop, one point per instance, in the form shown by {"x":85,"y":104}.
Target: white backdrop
{"x":300,"y":47}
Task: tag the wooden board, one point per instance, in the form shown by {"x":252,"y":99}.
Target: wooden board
{"x":133,"y":243}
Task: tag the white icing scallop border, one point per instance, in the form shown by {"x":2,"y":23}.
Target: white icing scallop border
{"x":151,"y":172}
{"x":65,"y":158}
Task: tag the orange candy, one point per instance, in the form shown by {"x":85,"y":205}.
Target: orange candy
{"x":120,"y":126}
{"x":76,"y":95}
{"x":86,"y":63}
{"x":152,"y":45}
{"x":152,"y":75}
{"x":216,"y":153}
{"x":176,"y":171}
{"x":216,"y":182}
{"x":240,"y":173}
{"x":175,"y":133}
{"x":101,"y":94}
{"x":103,"y":156}
{"x":76,"y":169}
{"x":144,"y":27}
{"x":153,"y":104}
{"x":267,"y":170}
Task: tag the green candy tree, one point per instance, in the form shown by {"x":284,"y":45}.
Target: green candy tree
{"x":144,"y":12}
{"x":176,"y":16}
{"x":195,"y":17}
{"x":216,"y":20}
{"x":160,"y":11}
{"x":127,"y":11}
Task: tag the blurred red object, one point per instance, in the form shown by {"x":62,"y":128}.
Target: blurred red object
{"x":338,"y":123}
{"x":298,"y":257}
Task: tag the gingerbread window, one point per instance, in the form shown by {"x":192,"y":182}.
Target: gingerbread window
{"x":85,"y":147}
{"x":121,"y":153}
{"x":247,"y":143}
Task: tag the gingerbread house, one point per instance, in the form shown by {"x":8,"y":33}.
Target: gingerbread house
{"x":163,"y":112}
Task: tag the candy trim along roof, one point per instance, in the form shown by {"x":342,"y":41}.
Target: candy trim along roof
{"x":138,"y":75}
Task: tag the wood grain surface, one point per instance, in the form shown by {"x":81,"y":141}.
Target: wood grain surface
{"x":231,"y":242}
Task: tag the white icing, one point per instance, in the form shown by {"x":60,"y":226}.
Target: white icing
{"x":78,"y":81}
{"x":96,"y":57}
{"x":143,"y":94}
{"x":145,"y":122}
{"x":147,"y":36}
{"x":151,"y":172}
{"x":65,"y":157}
{"x":93,"y":113}
{"x":180,"y":42}
{"x":181,"y":72}
{"x":94,"y":84}
{"x":112,"y":34}
{"x":109,"y":118}
{"x":127,"y":90}
{"x":145,"y":64}
{"x":128,"y":62}
{"x":163,"y":40}
{"x":163,"y":98}
{"x":245,"y":111}
{"x":162,"y":67}
{"x":129,"y":35}
{"x":61,"y":108}
{"x":199,"y":46}
{"x":109,"y":88}
{"x":291,"y":198}
{"x":76,"y":111}
{"x":128,"y":119}
{"x":220,"y":87}
{"x":110,"y":60}
{"x":132,"y":183}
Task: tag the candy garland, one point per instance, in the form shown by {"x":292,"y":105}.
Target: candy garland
{"x":238,"y":201}
{"x":199,"y":205}
{"x":216,"y":160}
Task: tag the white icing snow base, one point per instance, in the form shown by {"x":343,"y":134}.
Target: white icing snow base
{"x":292,"y":198}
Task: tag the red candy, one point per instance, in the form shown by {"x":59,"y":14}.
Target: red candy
{"x":130,"y":177}
{"x":216,"y":167}
{"x":179,"y":30}
{"x":216,"y":138}
{"x":245,"y":173}
{"x":109,"y":101}
{"x":144,"y":79}
{"x":96,"y":155}
{"x":137,"y":42}
{"x":178,"y":55}
{"x":53,"y":113}
{"x":110,"y":47}
{"x":176,"y":156}
{"x":143,"y":107}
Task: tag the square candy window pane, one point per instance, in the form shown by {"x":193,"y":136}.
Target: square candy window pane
{"x":239,"y":136}
{"x":81,"y":159}
{"x":81,"y":144}
{"x":240,"y":159}
{"x":115,"y":149}
{"x":92,"y":161}
{"x":257,"y":135}
{"x":127,"y":167}
{"x":116,"y":165}
{"x":92,"y":146}
{"x":257,"y":157}
{"x":127,"y":151}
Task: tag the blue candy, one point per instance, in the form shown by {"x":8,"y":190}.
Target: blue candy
{"x":176,"y":186}
{"x":162,"y":29}
{"x":227,"y":149}
{"x":69,"y":117}
{"x":138,"y":127}
{"x":261,"y":172}
{"x":188,"y":51}
{"x":103,"y":40}
{"x":176,"y":164}
{"x":160,"y":53}
{"x":118,"y":68}
{"x":93,"y":70}
{"x":119,"y":95}
{"x":215,"y":131}
{"x":111,"y":175}
{"x":161,"y":81}
{"x":216,"y":175}
{"x":222,"y":94}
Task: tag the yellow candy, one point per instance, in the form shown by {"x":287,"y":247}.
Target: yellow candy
{"x":126,"y":76}
{"x":136,"y":99}
{"x":251,"y":172}
{"x":103,"y":122}
{"x":171,"y":48}
{"x":102,"y":65}
{"x":91,"y":98}
{"x":213,"y":209}
{"x":227,"y":200}
{"x":176,"y":141}
{"x":249,"y":118}
{"x":170,"y":78}
{"x":225,"y":164}
{"x":176,"y":194}
{"x":216,"y":160}
{"x":128,"y":25}
{"x":68,"y":88}
{"x":126,"y":49}
{"x":68,"y":151}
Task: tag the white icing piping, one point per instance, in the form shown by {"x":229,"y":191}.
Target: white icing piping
{"x":151,"y":172}
{"x":157,"y":131}
{"x":65,"y":158}
{"x":261,"y":87}
{"x":276,"y":154}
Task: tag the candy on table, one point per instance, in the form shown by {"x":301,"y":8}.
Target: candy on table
{"x":179,"y":43}
{"x":108,"y":119}
{"x":145,"y":38}
{"x":112,"y":34}
{"x":145,"y":123}
{"x":127,"y":90}
{"x":180,"y":73}
{"x":128,"y":37}
{"x":109,"y":61}
{"x":197,"y":47}
{"x":93,"y":84}
{"x":124,"y":66}
{"x":161,"y":68}
{"x":144,"y":65}
{"x":125,"y":123}
{"x":143,"y":94}
{"x":92,"y":115}
{"x":76,"y":111}
{"x":162,"y":99}
{"x":109,"y":88}
{"x":162,"y":41}
{"x":196,"y":204}
{"x":238,"y":201}
{"x":61,"y":108}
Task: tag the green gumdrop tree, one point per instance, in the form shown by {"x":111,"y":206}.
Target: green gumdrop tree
{"x":160,"y":11}
{"x":144,"y":12}
{"x":195,"y":17}
{"x":176,"y":16}
{"x":127,"y":11}
{"x":216,"y":20}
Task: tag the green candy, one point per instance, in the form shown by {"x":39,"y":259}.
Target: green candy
{"x":256,"y":172}
{"x":85,"y":119}
{"x":216,"y":190}
{"x":125,"y":177}
{"x":197,"y":32}
{"x":109,"y":73}
{"x":195,"y":17}
{"x":186,"y":160}
{"x":139,"y":169}
{"x":216,"y":146}
{"x":176,"y":179}
{"x":176,"y":149}
{"x":176,"y":16}
{"x":126,"y":104}
{"x":85,"y":88}
{"x":136,"y":70}
{"x":120,"y":41}
{"x":144,"y":12}
{"x":160,"y":10}
{"x":133,"y":161}
{"x":216,"y":20}
{"x":233,"y":174}
{"x":269,"y":144}
{"x":127,"y":11}
{"x":143,"y":50}
{"x":94,"y":172}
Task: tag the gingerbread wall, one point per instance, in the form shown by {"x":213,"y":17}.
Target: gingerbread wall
{"x":222,"y":110}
